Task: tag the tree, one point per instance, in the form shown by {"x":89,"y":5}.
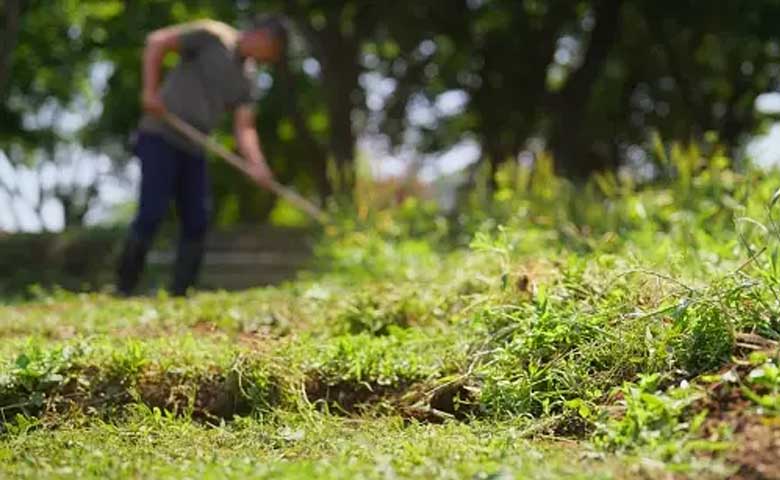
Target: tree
{"x":592,"y":78}
{"x":569,"y":106}
{"x":10,"y":16}
{"x":42,"y":77}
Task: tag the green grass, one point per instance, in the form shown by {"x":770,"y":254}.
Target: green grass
{"x":152,"y":445}
{"x":607,"y":331}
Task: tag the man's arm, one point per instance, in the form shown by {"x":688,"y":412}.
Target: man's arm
{"x":158,"y":43}
{"x":249,"y":145}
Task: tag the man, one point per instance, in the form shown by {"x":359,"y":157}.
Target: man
{"x":213,"y":76}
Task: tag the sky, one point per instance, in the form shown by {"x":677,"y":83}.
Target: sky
{"x":765,"y":149}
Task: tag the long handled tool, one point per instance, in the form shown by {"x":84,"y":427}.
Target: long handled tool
{"x":214,"y":147}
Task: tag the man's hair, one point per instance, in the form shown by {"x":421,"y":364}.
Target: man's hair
{"x":276,"y":25}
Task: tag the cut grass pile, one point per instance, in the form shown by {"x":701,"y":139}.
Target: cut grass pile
{"x":610,"y":331}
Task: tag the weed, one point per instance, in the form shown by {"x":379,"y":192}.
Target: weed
{"x":656,"y":422}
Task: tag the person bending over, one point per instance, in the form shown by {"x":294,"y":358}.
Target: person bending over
{"x":214,"y":76}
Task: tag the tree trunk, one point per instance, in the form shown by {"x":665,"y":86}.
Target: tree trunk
{"x":337,"y":53}
{"x":509,"y":99}
{"x":340,"y":71}
{"x":11,"y":14}
{"x":569,"y":143}
{"x":314,"y":152}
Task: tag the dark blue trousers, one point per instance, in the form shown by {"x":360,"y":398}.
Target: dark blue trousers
{"x":169,"y":173}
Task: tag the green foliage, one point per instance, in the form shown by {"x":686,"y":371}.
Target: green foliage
{"x":661,"y":423}
{"x":375,"y":312}
{"x":395,"y":360}
{"x":36,"y":371}
{"x":678,"y":71}
{"x":374,"y":243}
{"x":762,"y":385}
{"x":707,"y":339}
{"x":594,"y":318}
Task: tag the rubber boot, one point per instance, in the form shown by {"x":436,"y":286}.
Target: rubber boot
{"x":188,"y":262}
{"x":131,"y":265}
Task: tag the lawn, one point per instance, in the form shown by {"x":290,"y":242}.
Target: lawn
{"x":613,"y":330}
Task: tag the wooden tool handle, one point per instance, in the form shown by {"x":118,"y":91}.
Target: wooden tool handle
{"x":217,"y":149}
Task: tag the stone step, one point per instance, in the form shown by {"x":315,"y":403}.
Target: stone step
{"x":238,"y":258}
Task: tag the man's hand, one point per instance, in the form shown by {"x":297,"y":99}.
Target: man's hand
{"x":152,"y":103}
{"x":260,"y":173}
{"x":249,"y":146}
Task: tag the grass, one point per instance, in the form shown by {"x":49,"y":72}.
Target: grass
{"x":613,"y":330}
{"x":319,"y":446}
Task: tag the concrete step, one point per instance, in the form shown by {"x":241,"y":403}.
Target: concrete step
{"x":238,"y":259}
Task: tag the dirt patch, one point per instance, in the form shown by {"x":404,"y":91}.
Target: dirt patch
{"x":755,"y":437}
{"x":757,"y":448}
{"x":572,"y":426}
{"x":261,"y":339}
{"x":210,"y":397}
{"x":418,"y":401}
{"x":453,"y":400}
{"x":350,"y":397}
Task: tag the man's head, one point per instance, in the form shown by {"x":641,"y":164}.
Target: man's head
{"x":266,"y":39}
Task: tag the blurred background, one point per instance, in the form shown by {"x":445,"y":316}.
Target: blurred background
{"x":381,"y":101}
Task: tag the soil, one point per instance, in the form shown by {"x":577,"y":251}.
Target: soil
{"x":756,"y":435}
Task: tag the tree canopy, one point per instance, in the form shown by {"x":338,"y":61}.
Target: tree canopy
{"x":590,"y":80}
